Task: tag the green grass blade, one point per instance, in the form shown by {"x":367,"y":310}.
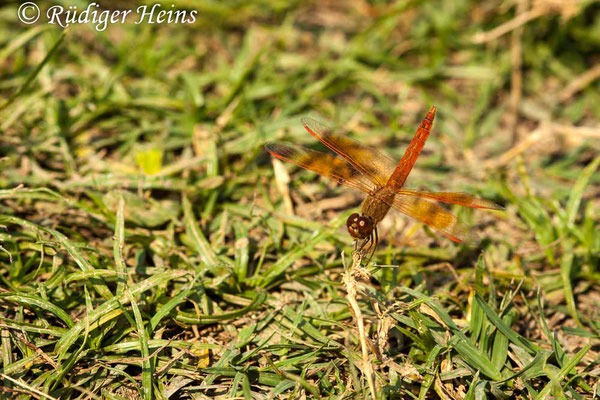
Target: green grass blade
{"x":147,"y":367}
{"x":564,"y":371}
{"x":578,"y":189}
{"x":31,"y":300}
{"x":513,"y":336}
{"x":207,"y":255}
{"x":111,"y":309}
{"x":35,"y":72}
{"x":118,"y":245}
{"x":566,"y":268}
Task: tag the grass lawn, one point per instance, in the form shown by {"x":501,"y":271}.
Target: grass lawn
{"x":151,"y":249}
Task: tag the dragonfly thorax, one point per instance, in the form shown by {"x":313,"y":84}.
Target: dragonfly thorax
{"x":378,"y":203}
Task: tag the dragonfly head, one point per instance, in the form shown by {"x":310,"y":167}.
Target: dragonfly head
{"x":359,"y":226}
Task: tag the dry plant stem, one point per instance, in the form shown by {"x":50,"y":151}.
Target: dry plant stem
{"x":579,"y":83}
{"x":509,"y":26}
{"x":27,"y":387}
{"x":543,"y":130}
{"x":516,"y":79}
{"x":352,"y":289}
{"x":579,"y":131}
{"x":518,"y":149}
{"x":282,"y":180}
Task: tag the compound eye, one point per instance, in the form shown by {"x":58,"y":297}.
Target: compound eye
{"x":359,"y":226}
{"x":365,"y":226}
{"x":353,"y":219}
{"x":353,"y":225}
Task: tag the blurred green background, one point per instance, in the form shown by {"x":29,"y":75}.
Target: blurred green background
{"x":151,"y":249}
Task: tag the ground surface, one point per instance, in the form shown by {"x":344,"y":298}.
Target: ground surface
{"x":150,"y":247}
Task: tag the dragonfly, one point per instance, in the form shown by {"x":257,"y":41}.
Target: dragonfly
{"x":364,"y":168}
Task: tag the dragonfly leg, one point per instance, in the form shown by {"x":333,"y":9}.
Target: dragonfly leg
{"x":373,"y":246}
{"x":364,"y":243}
{"x":368,"y":240}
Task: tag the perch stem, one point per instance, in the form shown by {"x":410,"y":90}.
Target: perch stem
{"x":352,"y":290}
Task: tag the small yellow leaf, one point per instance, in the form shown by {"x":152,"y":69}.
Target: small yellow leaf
{"x":150,"y":161}
{"x":203,"y":357}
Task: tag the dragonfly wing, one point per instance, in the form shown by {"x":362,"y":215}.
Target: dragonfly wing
{"x":324,"y":164}
{"x":370,"y":162}
{"x":458,"y":198}
{"x":400,"y":173}
{"x":435,"y":216}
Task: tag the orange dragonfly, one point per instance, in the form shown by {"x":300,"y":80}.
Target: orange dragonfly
{"x":366,"y":169}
